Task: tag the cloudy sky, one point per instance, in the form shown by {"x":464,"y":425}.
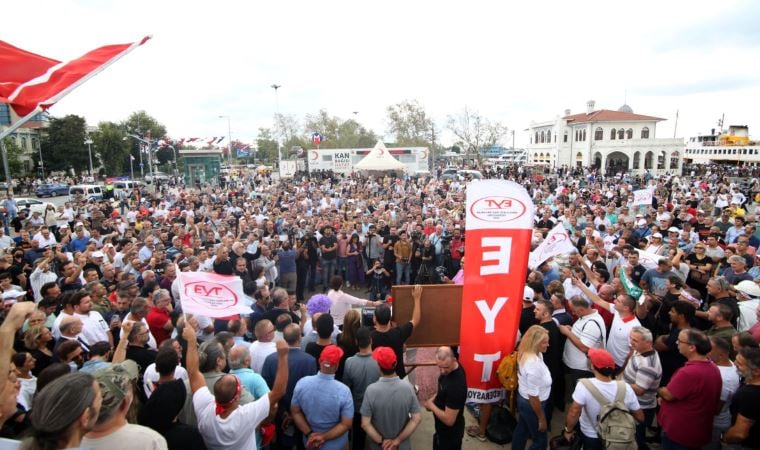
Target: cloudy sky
{"x":511,"y":61}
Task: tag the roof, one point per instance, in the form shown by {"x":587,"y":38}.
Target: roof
{"x":607,"y":115}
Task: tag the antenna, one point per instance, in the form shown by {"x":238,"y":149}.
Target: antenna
{"x":720,"y":122}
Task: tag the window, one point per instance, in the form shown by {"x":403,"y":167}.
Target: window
{"x":645,"y":133}
{"x":543,"y":137}
{"x":636,"y":160}
{"x":599,"y":134}
{"x":629,"y":133}
{"x":584,"y":136}
{"x":536,"y":137}
{"x":612,"y":134}
{"x":327,"y":158}
{"x":674,"y":160}
{"x":23,"y":143}
{"x":5,"y":114}
{"x":565,"y":136}
{"x":621,"y":133}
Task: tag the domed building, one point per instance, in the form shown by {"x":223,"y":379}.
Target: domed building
{"x":613,"y":141}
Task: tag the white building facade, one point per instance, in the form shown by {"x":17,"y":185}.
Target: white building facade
{"x":614,"y":141}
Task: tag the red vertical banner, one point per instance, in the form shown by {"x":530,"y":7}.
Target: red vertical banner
{"x":499,"y":228}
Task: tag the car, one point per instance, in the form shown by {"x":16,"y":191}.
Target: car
{"x":32,"y":205}
{"x":449,"y":173}
{"x":469,"y":175}
{"x":161,"y":177}
{"x":51,"y":190}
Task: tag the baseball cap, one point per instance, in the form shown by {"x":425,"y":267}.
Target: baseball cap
{"x":641,"y":222}
{"x":749,"y":287}
{"x":528,"y":294}
{"x":673,"y":230}
{"x":657,"y":236}
{"x":115,"y":383}
{"x":331,"y":356}
{"x":385,"y":357}
{"x":97,"y":254}
{"x":601,"y":359}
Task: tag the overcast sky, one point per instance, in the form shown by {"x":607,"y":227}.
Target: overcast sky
{"x":514,"y":61}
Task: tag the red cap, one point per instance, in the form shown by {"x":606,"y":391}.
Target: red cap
{"x":389,"y":299}
{"x":601,"y":359}
{"x":385,"y":357}
{"x":331,"y":355}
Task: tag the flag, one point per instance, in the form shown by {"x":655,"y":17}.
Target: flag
{"x":29,"y":81}
{"x":211,"y":141}
{"x":499,"y":227}
{"x":316,"y":138}
{"x":220,"y":140}
{"x":212,"y":295}
{"x":643,"y":197}
{"x":556,"y":242}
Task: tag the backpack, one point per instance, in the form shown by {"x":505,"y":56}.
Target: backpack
{"x":507,"y":372}
{"x":500,"y":426}
{"x":615,"y":424}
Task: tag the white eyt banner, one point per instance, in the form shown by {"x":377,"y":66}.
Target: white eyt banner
{"x":212,"y":295}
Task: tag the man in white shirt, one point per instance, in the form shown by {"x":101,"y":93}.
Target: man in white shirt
{"x":42,"y":274}
{"x":222,"y":421}
{"x":264,"y":344}
{"x":45,"y":238}
{"x":587,"y":332}
{"x":95,"y":329}
{"x":624,"y":320}
{"x":5,"y":240}
{"x":586,"y":405}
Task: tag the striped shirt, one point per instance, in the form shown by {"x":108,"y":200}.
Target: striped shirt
{"x":644,"y":370}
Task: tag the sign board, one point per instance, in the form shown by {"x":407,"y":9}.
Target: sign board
{"x":342,"y":162}
{"x":439,"y":316}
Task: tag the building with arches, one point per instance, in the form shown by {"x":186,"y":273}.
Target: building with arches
{"x":611,"y":140}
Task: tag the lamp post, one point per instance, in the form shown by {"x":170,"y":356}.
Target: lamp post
{"x":229,"y":139}
{"x":88,"y":141}
{"x":149,"y":144}
{"x":277,"y":113}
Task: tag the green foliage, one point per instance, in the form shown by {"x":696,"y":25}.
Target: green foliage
{"x":141,"y":123}
{"x":111,"y":149}
{"x":15,"y":165}
{"x":336,"y":132}
{"x":266,"y":146}
{"x":410,"y":124}
{"x":63,"y":147}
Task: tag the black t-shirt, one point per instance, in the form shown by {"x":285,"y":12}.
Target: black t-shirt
{"x":746,"y":402}
{"x":273,"y":314}
{"x":452,"y":394}
{"x":394,"y":338}
{"x":329,"y":242}
{"x":553,"y":355}
{"x":315,"y":350}
{"x":638,"y":272}
{"x":527,"y":319}
{"x":389,"y":259}
{"x":224,"y":268}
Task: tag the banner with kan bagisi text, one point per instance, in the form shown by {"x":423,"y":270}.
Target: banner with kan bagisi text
{"x":499,"y":227}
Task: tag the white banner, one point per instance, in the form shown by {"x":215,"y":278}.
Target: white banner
{"x":212,"y":295}
{"x":643,"y":197}
{"x":557,"y":242}
{"x":648,"y":259}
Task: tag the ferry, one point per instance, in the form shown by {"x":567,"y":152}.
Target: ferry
{"x":732,"y":147}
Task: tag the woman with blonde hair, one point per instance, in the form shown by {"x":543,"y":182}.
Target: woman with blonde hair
{"x":36,"y":340}
{"x":534,"y":384}
{"x":346,"y":339}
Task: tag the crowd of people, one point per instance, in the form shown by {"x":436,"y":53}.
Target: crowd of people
{"x":97,"y":353}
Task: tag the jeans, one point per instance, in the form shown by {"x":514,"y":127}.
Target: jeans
{"x":402,"y":272}
{"x":590,"y":443}
{"x":641,"y":428}
{"x":527,"y":426}
{"x":342,"y":266}
{"x":329,"y":266}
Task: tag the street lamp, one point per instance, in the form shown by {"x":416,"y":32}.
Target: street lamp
{"x":229,"y":139}
{"x":149,"y":144}
{"x":277,"y":113}
{"x":88,"y":141}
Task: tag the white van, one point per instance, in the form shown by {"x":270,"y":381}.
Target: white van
{"x":85,"y":192}
{"x":126,"y":187}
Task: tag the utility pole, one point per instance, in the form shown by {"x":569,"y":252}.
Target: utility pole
{"x":431,"y":159}
{"x":277,"y":114}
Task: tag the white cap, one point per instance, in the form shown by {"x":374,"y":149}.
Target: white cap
{"x":528,"y":294}
{"x":97,"y":254}
{"x":641,"y":222}
{"x":13,"y":294}
{"x":657,"y":235}
{"x":673,"y":230}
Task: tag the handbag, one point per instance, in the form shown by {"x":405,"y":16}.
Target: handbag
{"x":699,"y":277}
{"x":561,"y":443}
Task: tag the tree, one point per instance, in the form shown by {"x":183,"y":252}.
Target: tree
{"x":337,"y":132}
{"x":474,"y":131}
{"x":410,"y":124}
{"x":140,"y":123}
{"x":14,"y":151}
{"x":111,"y":148}
{"x":266,"y":146}
{"x":63,"y":147}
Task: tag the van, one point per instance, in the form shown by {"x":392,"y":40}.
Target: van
{"x":85,"y":192}
{"x":126,"y":187}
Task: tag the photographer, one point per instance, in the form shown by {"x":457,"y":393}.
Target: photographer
{"x":457,"y":250}
{"x":378,"y":280}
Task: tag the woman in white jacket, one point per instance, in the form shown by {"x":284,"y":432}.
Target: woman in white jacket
{"x":534,"y":384}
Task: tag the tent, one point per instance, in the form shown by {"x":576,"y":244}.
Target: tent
{"x":379,"y":158}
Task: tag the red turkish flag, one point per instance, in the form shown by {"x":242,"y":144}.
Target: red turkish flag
{"x":28,"y":81}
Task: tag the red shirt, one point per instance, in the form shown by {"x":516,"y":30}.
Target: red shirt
{"x":157,"y":318}
{"x":688,"y":419}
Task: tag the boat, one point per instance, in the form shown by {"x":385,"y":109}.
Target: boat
{"x":731,"y":147}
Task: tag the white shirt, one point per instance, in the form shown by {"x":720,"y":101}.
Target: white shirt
{"x":5,"y":242}
{"x":731,"y":382}
{"x":618,"y":343}
{"x":129,"y":436}
{"x":591,"y":407}
{"x":38,"y":279}
{"x":26,"y":392}
{"x":533,"y":378}
{"x":151,"y":377}
{"x":234,"y":431}
{"x":342,"y":303}
{"x":259,"y":352}
{"x":95,"y":328}
{"x":591,"y":331}
{"x":57,"y":324}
